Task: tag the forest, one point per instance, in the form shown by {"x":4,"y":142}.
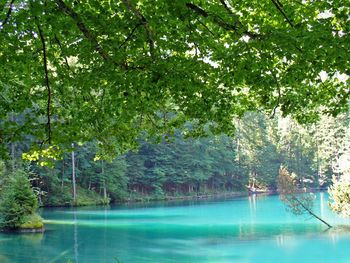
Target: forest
{"x":185,"y":167}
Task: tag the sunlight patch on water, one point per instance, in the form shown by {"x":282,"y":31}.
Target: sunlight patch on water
{"x":59,"y":222}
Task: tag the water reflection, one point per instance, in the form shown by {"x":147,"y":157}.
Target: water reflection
{"x":280,"y":240}
{"x":252,"y":229}
{"x":75,"y":232}
{"x":252,"y":204}
{"x":322,"y":205}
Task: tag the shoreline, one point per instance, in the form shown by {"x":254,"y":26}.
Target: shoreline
{"x":187,"y":198}
{"x":147,"y":199}
{"x":199,"y":196}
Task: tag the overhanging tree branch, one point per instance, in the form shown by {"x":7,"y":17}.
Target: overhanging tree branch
{"x":90,"y":36}
{"x":8,"y":13}
{"x":279,"y":7}
{"x":83,"y":28}
{"x":205,"y":26}
{"x":279,"y":96}
{"x":226,"y":7}
{"x":144,"y":22}
{"x":198,"y":10}
{"x":59,"y":44}
{"x":47,"y":82}
{"x":277,"y":103}
{"x":130,"y":35}
{"x":219,"y":21}
{"x":310,"y":211}
{"x":237,"y":22}
{"x":298,"y":203}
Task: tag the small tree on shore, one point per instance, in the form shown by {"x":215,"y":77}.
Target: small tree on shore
{"x":18,"y":203}
{"x":298,"y":201}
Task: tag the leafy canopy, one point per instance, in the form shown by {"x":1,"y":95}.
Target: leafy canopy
{"x":77,"y":70}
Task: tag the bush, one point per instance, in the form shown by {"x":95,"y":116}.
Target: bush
{"x":18,"y":202}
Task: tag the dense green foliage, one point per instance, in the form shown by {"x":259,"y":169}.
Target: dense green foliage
{"x":18,"y":203}
{"x":74,"y":71}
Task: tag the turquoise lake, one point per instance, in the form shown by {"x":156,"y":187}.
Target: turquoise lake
{"x":248,"y":229}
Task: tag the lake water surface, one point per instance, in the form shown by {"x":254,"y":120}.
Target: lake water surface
{"x":249,"y":229}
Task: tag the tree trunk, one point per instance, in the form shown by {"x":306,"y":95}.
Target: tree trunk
{"x":62,"y":177}
{"x":104,"y":181}
{"x":238,"y":149}
{"x":13,"y":146}
{"x":312,"y":213}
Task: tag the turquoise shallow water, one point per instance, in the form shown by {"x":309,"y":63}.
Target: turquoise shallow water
{"x":249,"y":229}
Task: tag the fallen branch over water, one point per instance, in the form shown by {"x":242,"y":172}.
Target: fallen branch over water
{"x":298,"y":202}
